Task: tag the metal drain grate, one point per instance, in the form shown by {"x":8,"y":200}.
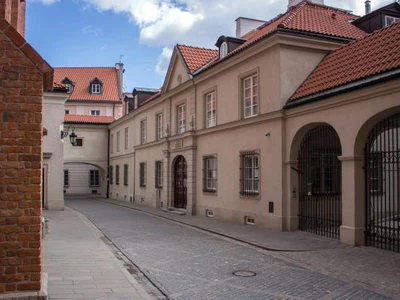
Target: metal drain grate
{"x":244,"y":273}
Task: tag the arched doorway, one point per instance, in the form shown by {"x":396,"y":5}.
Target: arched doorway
{"x":320,"y":182}
{"x":180,"y":183}
{"x":382,"y":169}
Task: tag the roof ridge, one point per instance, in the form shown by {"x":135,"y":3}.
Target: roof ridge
{"x":196,"y":47}
{"x":291,"y":14}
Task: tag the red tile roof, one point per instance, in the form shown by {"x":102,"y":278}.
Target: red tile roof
{"x":59,"y":87}
{"x":196,"y":57}
{"x":375,"y":54}
{"x":82,"y":76}
{"x":81,"y":119}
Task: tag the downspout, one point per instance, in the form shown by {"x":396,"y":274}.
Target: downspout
{"x":108,"y":166}
{"x":134,"y":175}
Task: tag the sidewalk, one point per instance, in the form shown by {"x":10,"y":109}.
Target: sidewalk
{"x":81,"y":266}
{"x":268,"y":240}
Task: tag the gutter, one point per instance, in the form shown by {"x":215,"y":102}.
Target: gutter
{"x":345,"y":88}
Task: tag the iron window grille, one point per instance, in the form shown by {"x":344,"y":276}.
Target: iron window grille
{"x":159,"y":174}
{"x":117,"y":174}
{"x":94,"y":178}
{"x":142,"y":171}
{"x":111,"y":177}
{"x":211,"y":110}
{"x":181,"y":118}
{"x":143,"y":134}
{"x":66,"y":178}
{"x":250,"y":96}
{"x":210,"y":174}
{"x":126,"y":174}
{"x":249,"y":173}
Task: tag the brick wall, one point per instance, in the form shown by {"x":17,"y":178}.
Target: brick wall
{"x":21,"y":85}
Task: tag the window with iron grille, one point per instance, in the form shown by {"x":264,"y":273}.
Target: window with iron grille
{"x":211,"y":109}
{"x":111,"y":175}
{"x":126,"y":174}
{"x":143,"y":133}
{"x":159,"y":174}
{"x":181,"y":118}
{"x":118,"y":141}
{"x":250,"y":173}
{"x":117,"y":174}
{"x":210,"y":174}
{"x":126,"y":137}
{"x":250,"y":96}
{"x":94,"y":178}
{"x":159,"y":126}
{"x":142,"y":174}
{"x":66,"y":178}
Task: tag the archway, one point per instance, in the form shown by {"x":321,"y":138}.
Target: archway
{"x":320,"y":182}
{"x":382,"y":184}
{"x":180,"y":182}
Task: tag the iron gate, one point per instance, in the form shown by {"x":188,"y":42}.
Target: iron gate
{"x":320,"y":182}
{"x":382,"y":178}
{"x":180,"y":180}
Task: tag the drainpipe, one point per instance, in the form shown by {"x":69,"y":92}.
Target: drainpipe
{"x":108,"y":165}
{"x":134,"y":176}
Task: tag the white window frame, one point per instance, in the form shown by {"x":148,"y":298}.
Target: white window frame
{"x":251,"y":101}
{"x":159,"y":174}
{"x":135,"y":102}
{"x":126,"y":141}
{"x":96,"y":88}
{"x":159,"y":126}
{"x":70,"y":88}
{"x":223,"y":50}
{"x":389,"y":20}
{"x":210,"y":174}
{"x":95,"y":112}
{"x":94,"y":178}
{"x":143,"y":131}
{"x":181,"y":112}
{"x":211,"y":109}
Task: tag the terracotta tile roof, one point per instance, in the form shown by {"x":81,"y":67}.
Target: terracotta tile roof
{"x":305,"y":17}
{"x":83,"y":119}
{"x":82,"y":76}
{"x":196,"y":57}
{"x":372,"y":55}
{"x":59,"y":87}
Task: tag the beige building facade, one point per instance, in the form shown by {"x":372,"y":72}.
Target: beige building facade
{"x":271,"y":134}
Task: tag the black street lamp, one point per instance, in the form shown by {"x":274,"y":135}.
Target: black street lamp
{"x":72,"y":136}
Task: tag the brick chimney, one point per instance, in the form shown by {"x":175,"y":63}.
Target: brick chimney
{"x":14,"y":12}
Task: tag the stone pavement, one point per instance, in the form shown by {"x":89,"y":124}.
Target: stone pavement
{"x":269,"y":240}
{"x":81,"y":266}
{"x":190,"y":264}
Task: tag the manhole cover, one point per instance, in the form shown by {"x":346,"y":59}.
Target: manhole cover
{"x":244,"y":273}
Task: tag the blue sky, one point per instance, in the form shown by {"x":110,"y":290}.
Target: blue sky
{"x":97,"y":32}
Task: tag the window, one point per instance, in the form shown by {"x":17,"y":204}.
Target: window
{"x":79,"y":142}
{"x":135,"y":105}
{"x":181,"y":118}
{"x":142,"y":179}
{"x":112,"y":143}
{"x":126,"y":107}
{"x":159,"y":174}
{"x":125,"y":174}
{"x":159,"y":126}
{"x":117,"y":174}
{"x":94,"y":178}
{"x":126,"y":137}
{"x":143,"y":133}
{"x":390,"y":20}
{"x":210,"y":174}
{"x":66,"y":111}
{"x":96,"y":88}
{"x":66,"y":178}
{"x":95,"y":112}
{"x":111,"y":175}
{"x":211,"y":109}
{"x":249,"y":175}
{"x":118,"y":141}
{"x":70,"y":88}
{"x":223,"y":50}
{"x":250,"y":96}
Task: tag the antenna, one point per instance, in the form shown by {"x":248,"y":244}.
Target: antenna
{"x":120,"y":58}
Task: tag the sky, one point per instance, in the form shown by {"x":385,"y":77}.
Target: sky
{"x":142,"y":33}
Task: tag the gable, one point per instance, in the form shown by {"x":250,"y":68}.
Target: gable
{"x":177,"y":72}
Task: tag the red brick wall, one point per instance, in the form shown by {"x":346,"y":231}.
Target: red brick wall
{"x":20,"y":170}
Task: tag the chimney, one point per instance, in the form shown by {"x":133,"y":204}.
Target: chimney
{"x":367,"y":7}
{"x":14,"y":13}
{"x":119,"y":67}
{"x":296,"y":2}
{"x":245,"y":25}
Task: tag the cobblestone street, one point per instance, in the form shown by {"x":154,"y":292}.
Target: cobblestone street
{"x":186,"y":263}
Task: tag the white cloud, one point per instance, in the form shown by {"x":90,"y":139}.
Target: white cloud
{"x":163,"y":61}
{"x":90,"y":30}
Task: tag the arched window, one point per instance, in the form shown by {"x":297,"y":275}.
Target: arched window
{"x":223,"y":50}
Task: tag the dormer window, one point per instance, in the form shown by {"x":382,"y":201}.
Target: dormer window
{"x":69,"y":84}
{"x":96,"y":86}
{"x":389,"y":20}
{"x":223,"y":50}
{"x":70,"y":88}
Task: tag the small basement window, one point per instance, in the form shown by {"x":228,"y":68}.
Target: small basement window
{"x":249,"y":220}
{"x":209,"y":213}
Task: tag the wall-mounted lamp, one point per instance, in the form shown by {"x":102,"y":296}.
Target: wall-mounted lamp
{"x":268,"y":134}
{"x":72,"y":136}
